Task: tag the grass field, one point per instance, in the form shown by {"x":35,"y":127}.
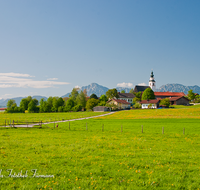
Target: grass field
{"x":23,"y":118}
{"x":108,"y":159}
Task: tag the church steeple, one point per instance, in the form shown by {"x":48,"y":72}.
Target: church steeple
{"x":152,"y":82}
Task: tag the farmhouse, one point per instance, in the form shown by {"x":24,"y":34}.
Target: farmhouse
{"x":179,"y":101}
{"x":126,"y":96}
{"x":3,"y":109}
{"x":168,"y":94}
{"x":140,"y":88}
{"x":150,"y":104}
{"x":121,"y":104}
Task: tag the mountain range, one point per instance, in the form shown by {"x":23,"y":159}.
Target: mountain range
{"x":97,"y":89}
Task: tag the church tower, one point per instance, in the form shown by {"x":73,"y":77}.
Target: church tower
{"x":152,"y":82}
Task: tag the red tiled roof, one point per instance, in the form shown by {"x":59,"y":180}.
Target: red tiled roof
{"x":3,"y":108}
{"x":150,"y":101}
{"x":170,"y":94}
{"x":119,"y":101}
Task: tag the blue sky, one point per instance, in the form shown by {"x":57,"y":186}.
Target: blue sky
{"x":48,"y":47}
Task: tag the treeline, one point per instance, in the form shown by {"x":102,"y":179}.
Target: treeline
{"x":77,"y":101}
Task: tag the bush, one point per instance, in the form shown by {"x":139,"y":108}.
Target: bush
{"x":137,"y":105}
{"x":77,"y":108}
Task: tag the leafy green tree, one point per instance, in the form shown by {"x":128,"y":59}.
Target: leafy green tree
{"x":32,"y":106}
{"x":191,"y":95}
{"x":11,"y":104}
{"x":50,"y":101}
{"x":165,"y":102}
{"x":81,"y":99}
{"x":131,"y":91}
{"x":137,"y":97}
{"x":112,"y":93}
{"x":122,"y":91}
{"x":148,"y":94}
{"x":69,"y":105}
{"x":74,"y":94}
{"x":197,"y":98}
{"x":77,"y":108}
{"x":91,"y":103}
{"x":102,"y":100}
{"x":93,"y":96}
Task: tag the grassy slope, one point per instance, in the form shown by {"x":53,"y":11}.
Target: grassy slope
{"x":112,"y":159}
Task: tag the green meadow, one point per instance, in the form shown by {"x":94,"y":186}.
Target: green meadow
{"x":104,"y":153}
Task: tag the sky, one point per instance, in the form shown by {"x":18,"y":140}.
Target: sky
{"x":48,"y":47}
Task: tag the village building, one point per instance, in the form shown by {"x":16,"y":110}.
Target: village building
{"x":179,"y":101}
{"x":168,"y":94}
{"x":126,"y":96}
{"x":152,"y":82}
{"x":121,"y":104}
{"x":154,"y":104}
{"x":3,"y":109}
{"x":139,"y":88}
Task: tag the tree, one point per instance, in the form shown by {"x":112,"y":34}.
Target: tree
{"x":93,"y":96}
{"x":32,"y":106}
{"x":81,"y":99}
{"x":131,"y":91}
{"x":85,"y":92}
{"x":74,"y":94}
{"x":137,"y":97}
{"x":11,"y":103}
{"x":191,"y":95}
{"x":69,"y":105}
{"x":112,"y":93}
{"x":165,"y":102}
{"x":122,"y":91}
{"x":102,"y":100}
{"x":148,"y":94}
{"x":91,"y":103}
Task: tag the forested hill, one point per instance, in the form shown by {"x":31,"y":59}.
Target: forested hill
{"x":178,"y":88}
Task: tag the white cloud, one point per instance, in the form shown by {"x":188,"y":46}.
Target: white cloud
{"x":77,"y":86}
{"x":142,"y":84}
{"x":52,"y":79}
{"x":125,"y":84}
{"x":15,"y":75}
{"x":9,"y":80}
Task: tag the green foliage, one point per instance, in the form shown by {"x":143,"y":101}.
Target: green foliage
{"x":131,"y":91}
{"x":103,"y":98}
{"x":32,"y":106}
{"x":137,"y":105}
{"x":91,"y":103}
{"x":113,"y":106}
{"x":81,"y":99}
{"x":74,"y":94}
{"x":191,"y":95}
{"x":148,"y":94}
{"x":165,"y":102}
{"x":197,"y":99}
{"x":122,"y":91}
{"x":112,"y":93}
{"x":77,"y":108}
{"x":137,"y":97}
{"x":69,"y":105}
{"x":93,"y":96}
{"x":11,"y":104}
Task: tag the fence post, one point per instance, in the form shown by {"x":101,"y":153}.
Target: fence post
{"x":102,"y":127}
{"x":69,"y":125}
{"x":142,"y":128}
{"x":121,"y":128}
{"x":184,"y":131}
{"x":163,"y":130}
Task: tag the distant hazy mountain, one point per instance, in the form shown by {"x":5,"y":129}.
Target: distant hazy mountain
{"x":3,"y":103}
{"x":178,"y":88}
{"x":97,"y":89}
